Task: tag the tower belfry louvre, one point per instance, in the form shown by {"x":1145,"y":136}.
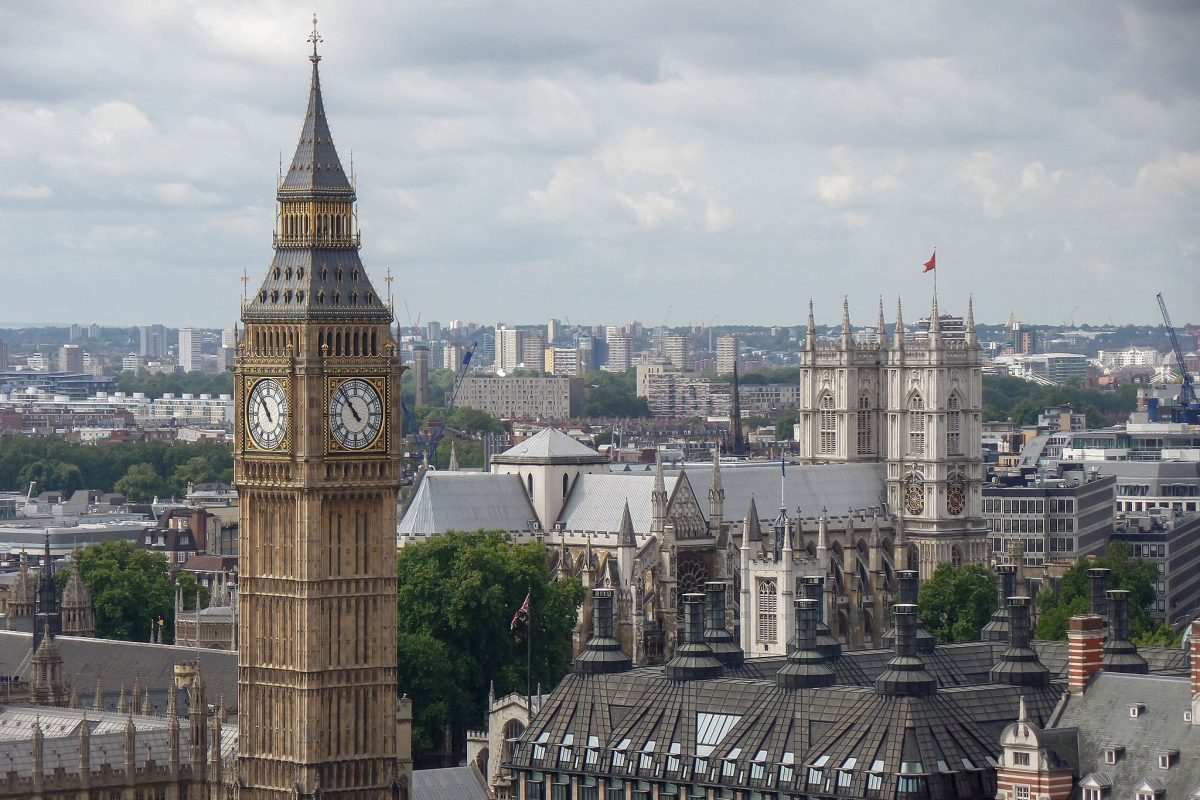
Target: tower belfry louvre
{"x":317,"y":467}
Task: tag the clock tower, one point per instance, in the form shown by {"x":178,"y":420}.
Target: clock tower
{"x":317,"y":467}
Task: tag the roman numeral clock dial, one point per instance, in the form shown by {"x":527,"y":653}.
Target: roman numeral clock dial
{"x":355,"y":414}
{"x":267,"y":414}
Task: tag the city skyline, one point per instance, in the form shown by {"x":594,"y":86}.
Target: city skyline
{"x":645,"y":158}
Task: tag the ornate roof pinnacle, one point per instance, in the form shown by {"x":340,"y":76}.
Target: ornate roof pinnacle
{"x":314,"y":37}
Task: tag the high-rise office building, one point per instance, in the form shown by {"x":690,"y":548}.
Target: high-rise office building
{"x":552,"y":331}
{"x":509,"y":348}
{"x":620,"y":354}
{"x":727,"y":353}
{"x":189,"y":349}
{"x":3,"y":356}
{"x":70,"y":358}
{"x":152,"y":341}
{"x":678,"y":350}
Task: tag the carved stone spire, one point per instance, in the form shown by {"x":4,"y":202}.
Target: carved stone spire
{"x":716,"y":495}
{"x":847,"y":339}
{"x":625,"y":535}
{"x":810,"y":336}
{"x":970,"y":327}
{"x":881,"y":328}
{"x":898,"y":334}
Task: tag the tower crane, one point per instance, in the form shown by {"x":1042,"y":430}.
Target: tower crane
{"x":428,"y":449}
{"x":1189,"y":407}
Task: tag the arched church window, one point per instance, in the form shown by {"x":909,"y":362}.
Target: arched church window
{"x":954,"y":426}
{"x":865,"y":431}
{"x":566,"y":484}
{"x":828,"y":421}
{"x":529,"y":483}
{"x":916,"y":426}
{"x":767,"y":611}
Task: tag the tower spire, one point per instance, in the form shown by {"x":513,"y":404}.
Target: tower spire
{"x":970,"y":332}
{"x":881,"y":327}
{"x":315,"y":38}
{"x":810,"y":337}
{"x":846,"y":340}
{"x":898,"y":334}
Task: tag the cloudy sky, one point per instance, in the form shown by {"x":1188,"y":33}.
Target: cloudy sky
{"x":612,"y":161}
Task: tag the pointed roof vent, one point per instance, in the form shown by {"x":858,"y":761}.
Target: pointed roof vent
{"x":1019,"y":664}
{"x":602,"y":654}
{"x":693,"y":658}
{"x":718,"y":637}
{"x":905,"y":675}
{"x":1120,"y":654}
{"x":806,"y":668}
{"x":1006,"y":586}
{"x":827,"y":645}
{"x":910,"y":582}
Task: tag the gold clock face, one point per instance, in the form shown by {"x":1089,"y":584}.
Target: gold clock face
{"x":914,"y":497}
{"x":956,"y":499}
{"x":267,"y":414}
{"x":355,"y":414}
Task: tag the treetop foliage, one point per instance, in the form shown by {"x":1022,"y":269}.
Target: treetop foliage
{"x":457,"y":596}
{"x":957,"y":602}
{"x":155,"y":385}
{"x":1006,"y":397}
{"x":1074,"y":593}
{"x":59,"y":465}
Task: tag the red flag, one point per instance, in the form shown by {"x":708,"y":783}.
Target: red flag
{"x":521,"y":615}
{"x":931,"y":263}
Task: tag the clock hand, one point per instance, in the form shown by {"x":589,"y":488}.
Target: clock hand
{"x":350,"y":405}
{"x":263,"y":404}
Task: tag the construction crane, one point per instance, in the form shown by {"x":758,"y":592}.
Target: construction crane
{"x":1189,"y":407}
{"x":428,"y":449}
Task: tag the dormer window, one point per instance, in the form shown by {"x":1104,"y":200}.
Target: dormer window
{"x":324,"y":273}
{"x":339,"y":275}
{"x":1137,"y":709}
{"x":1113,"y":754}
{"x":1167,"y":759}
{"x":277,"y":273}
{"x":287,"y":273}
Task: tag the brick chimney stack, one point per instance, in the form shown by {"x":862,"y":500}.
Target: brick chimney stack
{"x":1085,"y":650}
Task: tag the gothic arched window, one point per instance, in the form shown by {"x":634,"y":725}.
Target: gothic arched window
{"x":865,"y":431}
{"x":916,"y":426}
{"x":954,"y":426}
{"x":767,"y":611}
{"x":827,"y":444}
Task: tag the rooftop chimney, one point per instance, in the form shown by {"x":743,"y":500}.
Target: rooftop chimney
{"x":828,"y":646}
{"x":1120,"y":654}
{"x":1099,"y":579}
{"x":1085,"y":650}
{"x":693,"y":657}
{"x":1006,"y":586}
{"x":910,"y":581}
{"x":718,"y":637}
{"x":905,"y":675}
{"x":1019,"y":664}
{"x":602,"y":654}
{"x":805,"y":667}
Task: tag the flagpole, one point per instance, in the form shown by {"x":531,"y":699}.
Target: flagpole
{"x":529,"y":655}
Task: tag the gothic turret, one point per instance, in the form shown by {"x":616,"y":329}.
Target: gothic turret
{"x":847,"y":341}
{"x":881,"y":328}
{"x":716,"y":496}
{"x":810,"y":335}
{"x":898,"y":333}
{"x":47,"y":617}
{"x":77,"y":616}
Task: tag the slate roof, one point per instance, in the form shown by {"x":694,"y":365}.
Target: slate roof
{"x":1101,"y":717}
{"x":118,"y":664}
{"x":756,"y":735}
{"x":1170,"y":660}
{"x":597,"y":502}
{"x":315,"y":167}
{"x":452,"y":783}
{"x":811,"y":487}
{"x":550,"y":446}
{"x":60,"y":746}
{"x":467,"y":501}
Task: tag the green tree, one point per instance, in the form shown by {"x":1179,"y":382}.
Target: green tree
{"x":457,"y":595}
{"x":784,"y":425}
{"x":141,"y":483}
{"x":614,"y":394}
{"x":472,"y":421}
{"x":1073,"y":595}
{"x":131,"y":589}
{"x":956,"y":602}
{"x":196,"y":470}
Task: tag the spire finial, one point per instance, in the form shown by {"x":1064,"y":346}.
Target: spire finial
{"x":315,"y":37}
